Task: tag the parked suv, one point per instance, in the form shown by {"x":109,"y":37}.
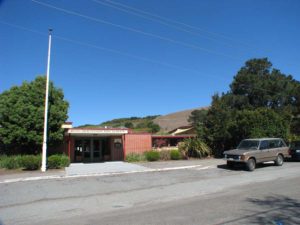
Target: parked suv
{"x":253,"y":151}
{"x":295,"y":150}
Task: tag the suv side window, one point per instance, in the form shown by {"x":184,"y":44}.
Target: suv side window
{"x":280,"y":144}
{"x":264,"y":145}
{"x":274,"y":144}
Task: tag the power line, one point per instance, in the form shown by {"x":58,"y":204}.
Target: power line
{"x":159,"y":21}
{"x":121,"y":53}
{"x":176,"y":22}
{"x":24,"y":28}
{"x":106,"y":49}
{"x":132,"y":29}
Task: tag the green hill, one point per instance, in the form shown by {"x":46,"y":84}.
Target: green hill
{"x":138,"y":124}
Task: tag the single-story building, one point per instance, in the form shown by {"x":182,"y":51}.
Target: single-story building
{"x":90,"y":144}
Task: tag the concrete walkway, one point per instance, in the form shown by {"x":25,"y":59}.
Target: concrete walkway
{"x":106,"y":169}
{"x":103,"y":168}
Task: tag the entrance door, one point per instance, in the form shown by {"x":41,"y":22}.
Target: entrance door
{"x":96,"y":150}
{"x":92,"y":150}
{"x":78,"y":151}
{"x":86,"y":144}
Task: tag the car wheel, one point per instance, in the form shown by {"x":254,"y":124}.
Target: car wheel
{"x":250,"y":165}
{"x":279,"y":160}
{"x":230,"y":164}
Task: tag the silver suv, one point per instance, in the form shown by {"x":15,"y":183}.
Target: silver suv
{"x":253,"y":151}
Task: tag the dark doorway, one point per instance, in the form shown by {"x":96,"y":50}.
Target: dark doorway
{"x":92,"y":149}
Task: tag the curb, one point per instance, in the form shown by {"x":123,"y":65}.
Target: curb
{"x":99,"y":174}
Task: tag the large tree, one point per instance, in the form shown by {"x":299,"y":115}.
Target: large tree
{"x":22,"y":116}
{"x":261,"y":101}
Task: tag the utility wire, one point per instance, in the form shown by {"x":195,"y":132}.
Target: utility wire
{"x":176,"y":22}
{"x":160,"y":22}
{"x":106,"y":49}
{"x":132,"y":29}
{"x":122,"y":53}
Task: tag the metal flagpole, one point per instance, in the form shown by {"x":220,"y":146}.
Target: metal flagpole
{"x":44,"y":153}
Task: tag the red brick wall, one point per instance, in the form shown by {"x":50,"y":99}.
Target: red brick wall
{"x":137,"y":143}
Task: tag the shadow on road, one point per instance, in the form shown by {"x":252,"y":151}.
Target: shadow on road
{"x":241,"y":166}
{"x":277,"y":210}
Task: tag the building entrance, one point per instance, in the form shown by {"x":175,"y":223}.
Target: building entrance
{"x":92,"y":149}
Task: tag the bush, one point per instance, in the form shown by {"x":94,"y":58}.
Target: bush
{"x":164,"y":155}
{"x":134,"y":157}
{"x":3,"y":159}
{"x":175,"y":155}
{"x":31,"y":162}
{"x":64,"y":161}
{"x":152,"y":155}
{"x":10,"y":162}
{"x":194,"y":148}
{"x":58,"y":161}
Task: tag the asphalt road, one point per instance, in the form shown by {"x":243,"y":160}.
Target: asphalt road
{"x":269,"y":195}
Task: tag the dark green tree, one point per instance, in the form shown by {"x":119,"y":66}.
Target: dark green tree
{"x":197,"y":119}
{"x":257,"y":84}
{"x":129,"y":125}
{"x":22,"y":116}
{"x":262,"y":101}
{"x":154,"y":128}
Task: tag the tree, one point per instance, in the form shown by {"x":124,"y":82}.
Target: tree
{"x":153,"y":127}
{"x":262,"y":122}
{"x":129,"y":125}
{"x":258,"y":85}
{"x":22,"y":116}
{"x":197,"y":119}
{"x":261,"y":101}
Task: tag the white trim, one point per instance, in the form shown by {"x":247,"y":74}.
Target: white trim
{"x":97,"y":132}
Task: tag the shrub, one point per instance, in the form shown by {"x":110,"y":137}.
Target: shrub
{"x":175,"y":155}
{"x":135,"y":157}
{"x":164,"y":155}
{"x":64,"y":161}
{"x":3,"y":159}
{"x":31,"y":162}
{"x":11,"y":162}
{"x":194,"y":148}
{"x":58,"y":161}
{"x":152,"y":155}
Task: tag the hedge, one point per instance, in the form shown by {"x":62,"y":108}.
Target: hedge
{"x":33,"y":162}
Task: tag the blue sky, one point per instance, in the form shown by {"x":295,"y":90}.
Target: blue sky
{"x":113,"y":61}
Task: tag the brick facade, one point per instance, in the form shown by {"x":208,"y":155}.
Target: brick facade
{"x":137,"y":143}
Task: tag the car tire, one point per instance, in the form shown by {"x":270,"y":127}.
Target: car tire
{"x":251,"y":164}
{"x":230,"y":164}
{"x":279,"y":160}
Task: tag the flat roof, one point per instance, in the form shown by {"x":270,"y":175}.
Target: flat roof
{"x":97,"y":131}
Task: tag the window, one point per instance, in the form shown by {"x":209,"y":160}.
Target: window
{"x":264,"y":145}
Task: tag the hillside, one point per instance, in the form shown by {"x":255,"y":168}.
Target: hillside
{"x":138,"y":124}
{"x":173,"y":120}
{"x":152,"y":124}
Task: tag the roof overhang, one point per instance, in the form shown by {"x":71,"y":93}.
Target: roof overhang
{"x":97,"y":132}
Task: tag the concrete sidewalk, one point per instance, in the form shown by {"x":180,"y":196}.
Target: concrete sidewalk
{"x":103,"y":168}
{"x":106,"y":169}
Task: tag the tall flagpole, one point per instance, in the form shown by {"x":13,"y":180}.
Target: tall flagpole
{"x":44,"y":153}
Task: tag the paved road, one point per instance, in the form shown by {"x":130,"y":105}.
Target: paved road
{"x":208,"y":195}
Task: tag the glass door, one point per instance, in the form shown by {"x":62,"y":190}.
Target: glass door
{"x":86,"y":144}
{"x":78,"y":151}
{"x":96,"y":150}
